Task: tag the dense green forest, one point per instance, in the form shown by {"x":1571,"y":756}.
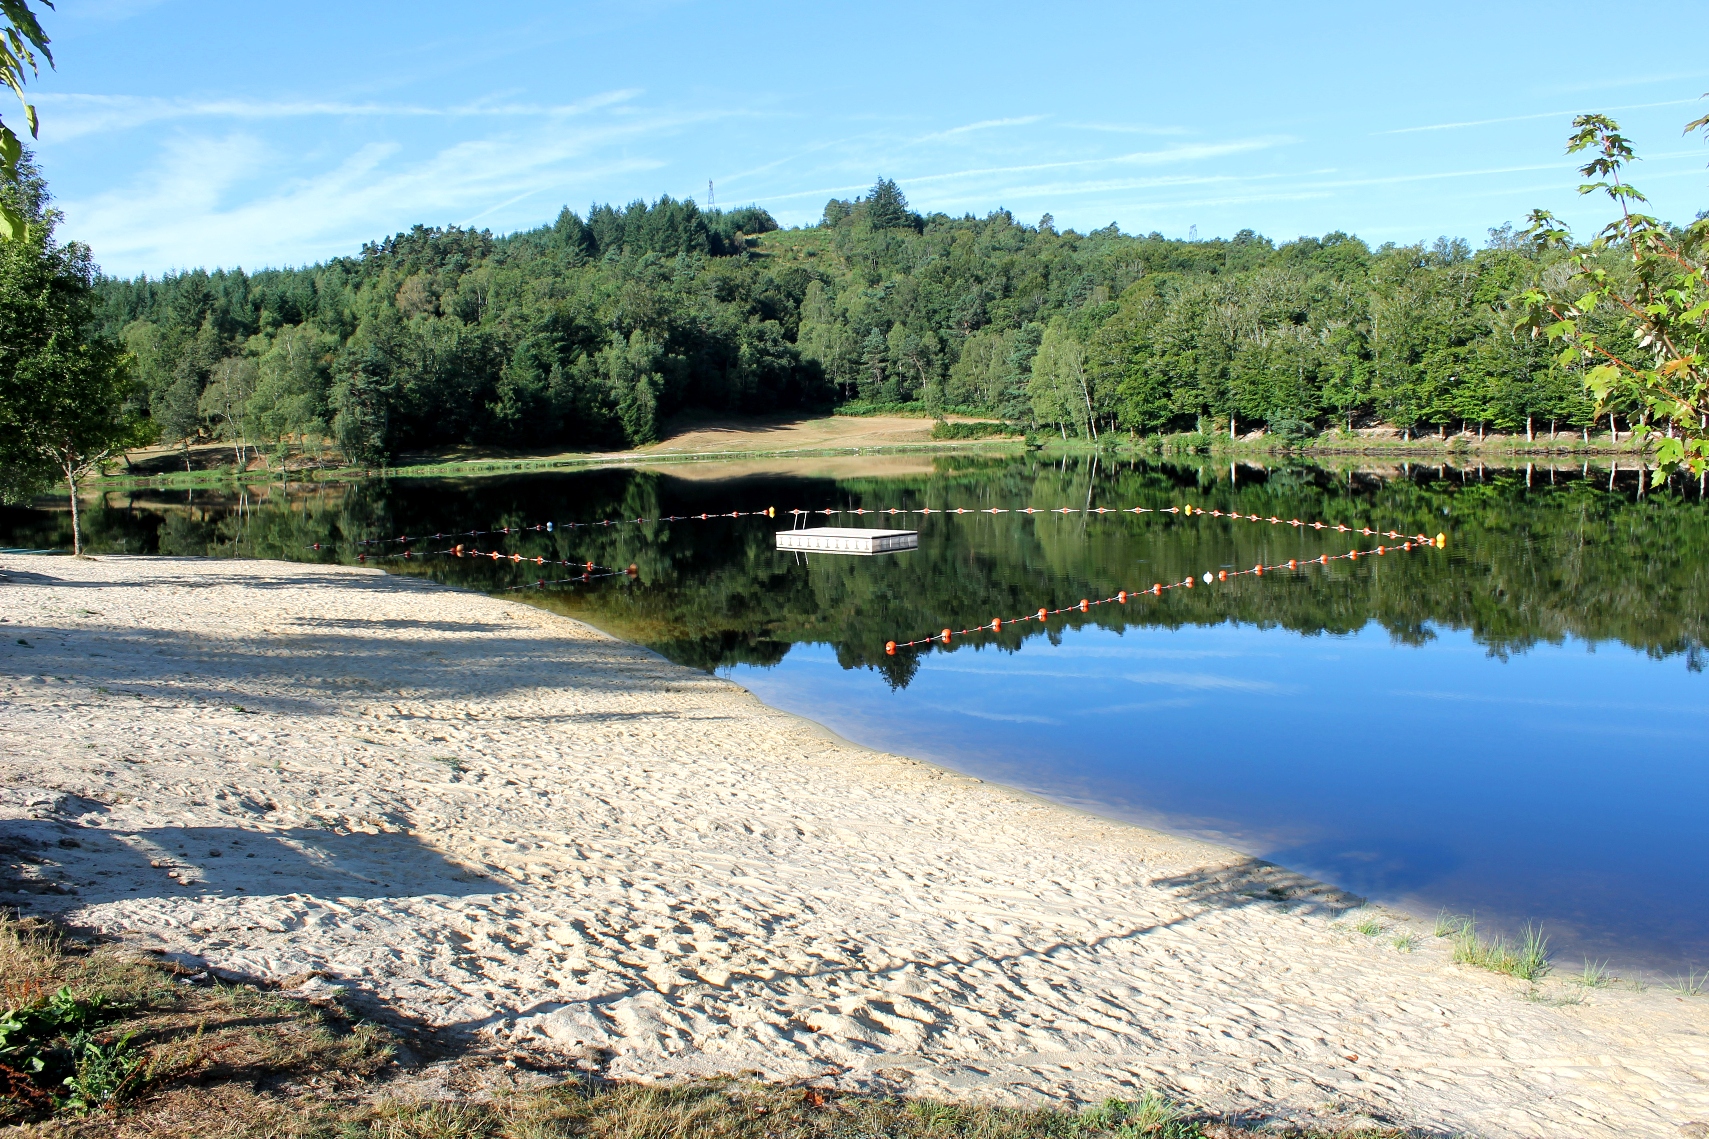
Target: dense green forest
{"x":592,"y":331}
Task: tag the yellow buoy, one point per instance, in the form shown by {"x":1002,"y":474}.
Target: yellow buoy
{"x":1441,"y":541}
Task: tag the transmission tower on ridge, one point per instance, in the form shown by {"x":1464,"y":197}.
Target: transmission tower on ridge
{"x":711,"y":198}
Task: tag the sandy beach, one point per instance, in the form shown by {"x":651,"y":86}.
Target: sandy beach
{"x":490,"y":821}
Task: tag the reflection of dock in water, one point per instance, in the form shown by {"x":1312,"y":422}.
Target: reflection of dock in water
{"x":846,"y":540}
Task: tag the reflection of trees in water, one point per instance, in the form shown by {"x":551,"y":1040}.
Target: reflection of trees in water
{"x":1523,"y":565}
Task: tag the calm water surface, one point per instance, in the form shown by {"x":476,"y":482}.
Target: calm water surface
{"x":1512,"y":727}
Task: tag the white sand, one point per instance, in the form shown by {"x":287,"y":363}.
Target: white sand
{"x":631,"y":856}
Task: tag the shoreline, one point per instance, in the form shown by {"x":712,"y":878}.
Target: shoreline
{"x":498,"y":823}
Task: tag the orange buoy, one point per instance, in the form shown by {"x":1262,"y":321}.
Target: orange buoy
{"x":1323,"y":559}
{"x":1122,"y":597}
{"x":1188,"y":583}
{"x":1157,"y":590}
{"x":1258,"y":569}
{"x":1292,"y":564}
{"x":1380,"y":549}
{"x":1222,"y":575}
{"x":1354,"y":554}
{"x":1042,"y":614}
{"x":457,"y":549}
{"x":946,"y":636}
{"x":890,"y":648}
{"x":1406,"y":546}
{"x":632,"y":570}
{"x":1085,"y":605}
{"x":996,"y":624}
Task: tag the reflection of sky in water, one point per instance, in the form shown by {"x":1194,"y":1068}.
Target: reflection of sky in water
{"x":1562,"y":784}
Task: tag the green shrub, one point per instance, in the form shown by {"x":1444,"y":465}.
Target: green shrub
{"x":982,"y":429}
{"x":1293,"y":431}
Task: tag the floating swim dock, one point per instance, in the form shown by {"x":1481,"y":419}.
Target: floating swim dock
{"x":845,"y":540}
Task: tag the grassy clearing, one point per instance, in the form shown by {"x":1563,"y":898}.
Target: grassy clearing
{"x":99,"y":1045}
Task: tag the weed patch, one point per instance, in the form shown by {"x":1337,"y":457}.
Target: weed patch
{"x":86,"y":1029}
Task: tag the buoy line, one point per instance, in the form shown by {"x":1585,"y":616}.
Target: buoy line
{"x":1122,"y":597}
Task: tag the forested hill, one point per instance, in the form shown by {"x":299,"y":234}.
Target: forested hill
{"x":590,"y":332}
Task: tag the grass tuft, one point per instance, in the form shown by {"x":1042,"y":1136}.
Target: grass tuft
{"x":1692,"y":984}
{"x":1447,"y":924}
{"x":1149,"y":1115}
{"x":1405,"y":942}
{"x":1528,"y":959}
{"x":1595,"y":975}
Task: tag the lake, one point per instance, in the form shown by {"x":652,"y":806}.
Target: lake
{"x":1511,"y":726}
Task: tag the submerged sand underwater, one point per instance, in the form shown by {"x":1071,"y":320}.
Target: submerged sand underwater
{"x":488,"y":819}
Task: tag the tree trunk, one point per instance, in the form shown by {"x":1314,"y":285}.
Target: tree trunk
{"x":1530,"y":436}
{"x":1233,"y":434}
{"x":76,"y":524}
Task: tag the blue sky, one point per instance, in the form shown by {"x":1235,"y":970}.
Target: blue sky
{"x":183,"y":133}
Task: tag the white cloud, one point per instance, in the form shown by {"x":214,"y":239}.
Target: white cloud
{"x":233,"y":199}
{"x":987,"y":124}
{"x":980,"y":179}
{"x":74,"y":115}
{"x":1528,"y":118}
